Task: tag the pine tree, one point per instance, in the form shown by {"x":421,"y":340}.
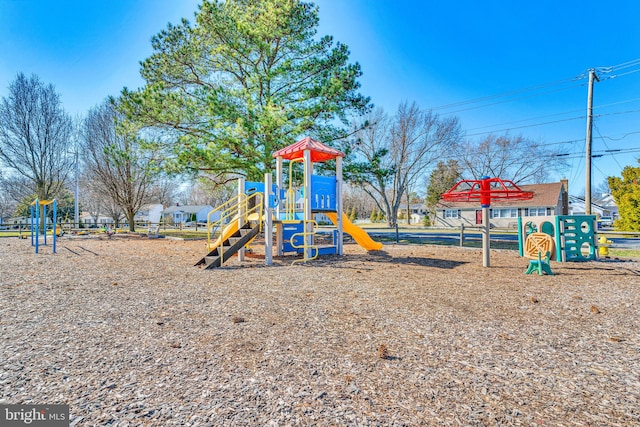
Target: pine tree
{"x":353,"y":216}
{"x":241,"y":82}
{"x":374,"y":215}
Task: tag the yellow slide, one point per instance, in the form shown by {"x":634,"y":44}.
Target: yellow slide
{"x":359,"y":235}
{"x":230,"y":229}
{"x":227,"y":232}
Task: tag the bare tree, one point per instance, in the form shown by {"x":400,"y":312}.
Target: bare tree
{"x":113,"y":211}
{"x":36,"y":136}
{"x":208,"y":192}
{"x":92,"y":197}
{"x":515,"y":158}
{"x":113,"y":158}
{"x":601,"y":189}
{"x":355,"y":196}
{"x":7,"y":204}
{"x":391,"y":155}
{"x":164,"y":191}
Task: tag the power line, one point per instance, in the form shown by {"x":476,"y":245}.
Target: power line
{"x":553,"y":115}
{"x":627,"y":64}
{"x":612,"y":68}
{"x":504,"y":94}
{"x":616,"y":103}
{"x":622,"y":137}
{"x":543,"y":123}
{"x":526,"y":120}
{"x":606,"y":145}
{"x":582,"y":76}
{"x":596,"y":154}
{"x":512,"y":99}
{"x":617,"y":113}
{"x":620,"y":75}
{"x":527,"y":126}
{"x":511,"y":93}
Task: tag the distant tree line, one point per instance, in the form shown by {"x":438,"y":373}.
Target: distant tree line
{"x":220,"y":96}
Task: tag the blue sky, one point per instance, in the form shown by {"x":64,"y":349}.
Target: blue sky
{"x":435,"y":53}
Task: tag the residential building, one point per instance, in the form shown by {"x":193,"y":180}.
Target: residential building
{"x":149,"y":214}
{"x":604,"y":205}
{"x":417,"y":212}
{"x":182,"y":214}
{"x":91,"y":221}
{"x":548,"y":199}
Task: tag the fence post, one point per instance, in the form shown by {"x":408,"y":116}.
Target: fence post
{"x":461,"y":235}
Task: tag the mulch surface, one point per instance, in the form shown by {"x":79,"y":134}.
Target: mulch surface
{"x":128,"y":332}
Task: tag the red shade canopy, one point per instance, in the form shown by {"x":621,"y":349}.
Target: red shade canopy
{"x":485,"y":190}
{"x":319,"y":151}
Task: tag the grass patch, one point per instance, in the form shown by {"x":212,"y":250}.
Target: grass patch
{"x":624,"y":253}
{"x":4,"y":233}
{"x":185,"y":234}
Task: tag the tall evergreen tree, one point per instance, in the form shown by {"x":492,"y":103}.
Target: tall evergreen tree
{"x":248,"y":78}
{"x":442,"y":178}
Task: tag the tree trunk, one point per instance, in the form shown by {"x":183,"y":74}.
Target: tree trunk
{"x":132,"y":225}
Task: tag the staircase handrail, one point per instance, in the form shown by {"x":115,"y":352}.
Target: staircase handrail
{"x":229,"y":212}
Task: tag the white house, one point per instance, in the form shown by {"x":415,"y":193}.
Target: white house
{"x":181,"y":214}
{"x":603,"y":205}
{"x":149,"y":213}
{"x":93,"y":222}
{"x":417,"y":212}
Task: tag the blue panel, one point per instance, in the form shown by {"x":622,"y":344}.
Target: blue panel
{"x":323,"y":193}
{"x":251,"y":187}
{"x":289,"y":230}
{"x":327,"y":250}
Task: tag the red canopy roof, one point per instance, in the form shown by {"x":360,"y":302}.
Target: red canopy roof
{"x":319,"y":151}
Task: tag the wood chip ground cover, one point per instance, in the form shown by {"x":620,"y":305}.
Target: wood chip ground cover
{"x":127,"y":332}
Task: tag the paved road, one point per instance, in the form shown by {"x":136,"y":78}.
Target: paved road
{"x":453,"y":237}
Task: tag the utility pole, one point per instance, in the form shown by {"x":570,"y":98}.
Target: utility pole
{"x":587,"y":187}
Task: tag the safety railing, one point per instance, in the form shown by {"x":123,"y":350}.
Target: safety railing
{"x":240,"y":207}
{"x":290,"y":205}
{"x":305,"y":247}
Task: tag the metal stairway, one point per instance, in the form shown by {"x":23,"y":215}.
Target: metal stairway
{"x":230,"y":246}
{"x":243,"y":211}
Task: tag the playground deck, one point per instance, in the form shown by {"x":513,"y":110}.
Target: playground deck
{"x":127,"y":330}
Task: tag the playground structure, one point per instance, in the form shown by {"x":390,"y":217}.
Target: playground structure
{"x":485,"y":190}
{"x":574,"y":236}
{"x":35,"y":218}
{"x":263,"y":206}
{"x":538,"y":248}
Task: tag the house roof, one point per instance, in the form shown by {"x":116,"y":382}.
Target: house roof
{"x":319,"y":151}
{"x":573,"y":200}
{"x":186,"y":209}
{"x":544,"y":195}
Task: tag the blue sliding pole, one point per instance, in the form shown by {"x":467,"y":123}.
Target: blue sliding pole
{"x":37,"y":223}
{"x":44,"y":221}
{"x":55,"y":223}
{"x":31,"y":230}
